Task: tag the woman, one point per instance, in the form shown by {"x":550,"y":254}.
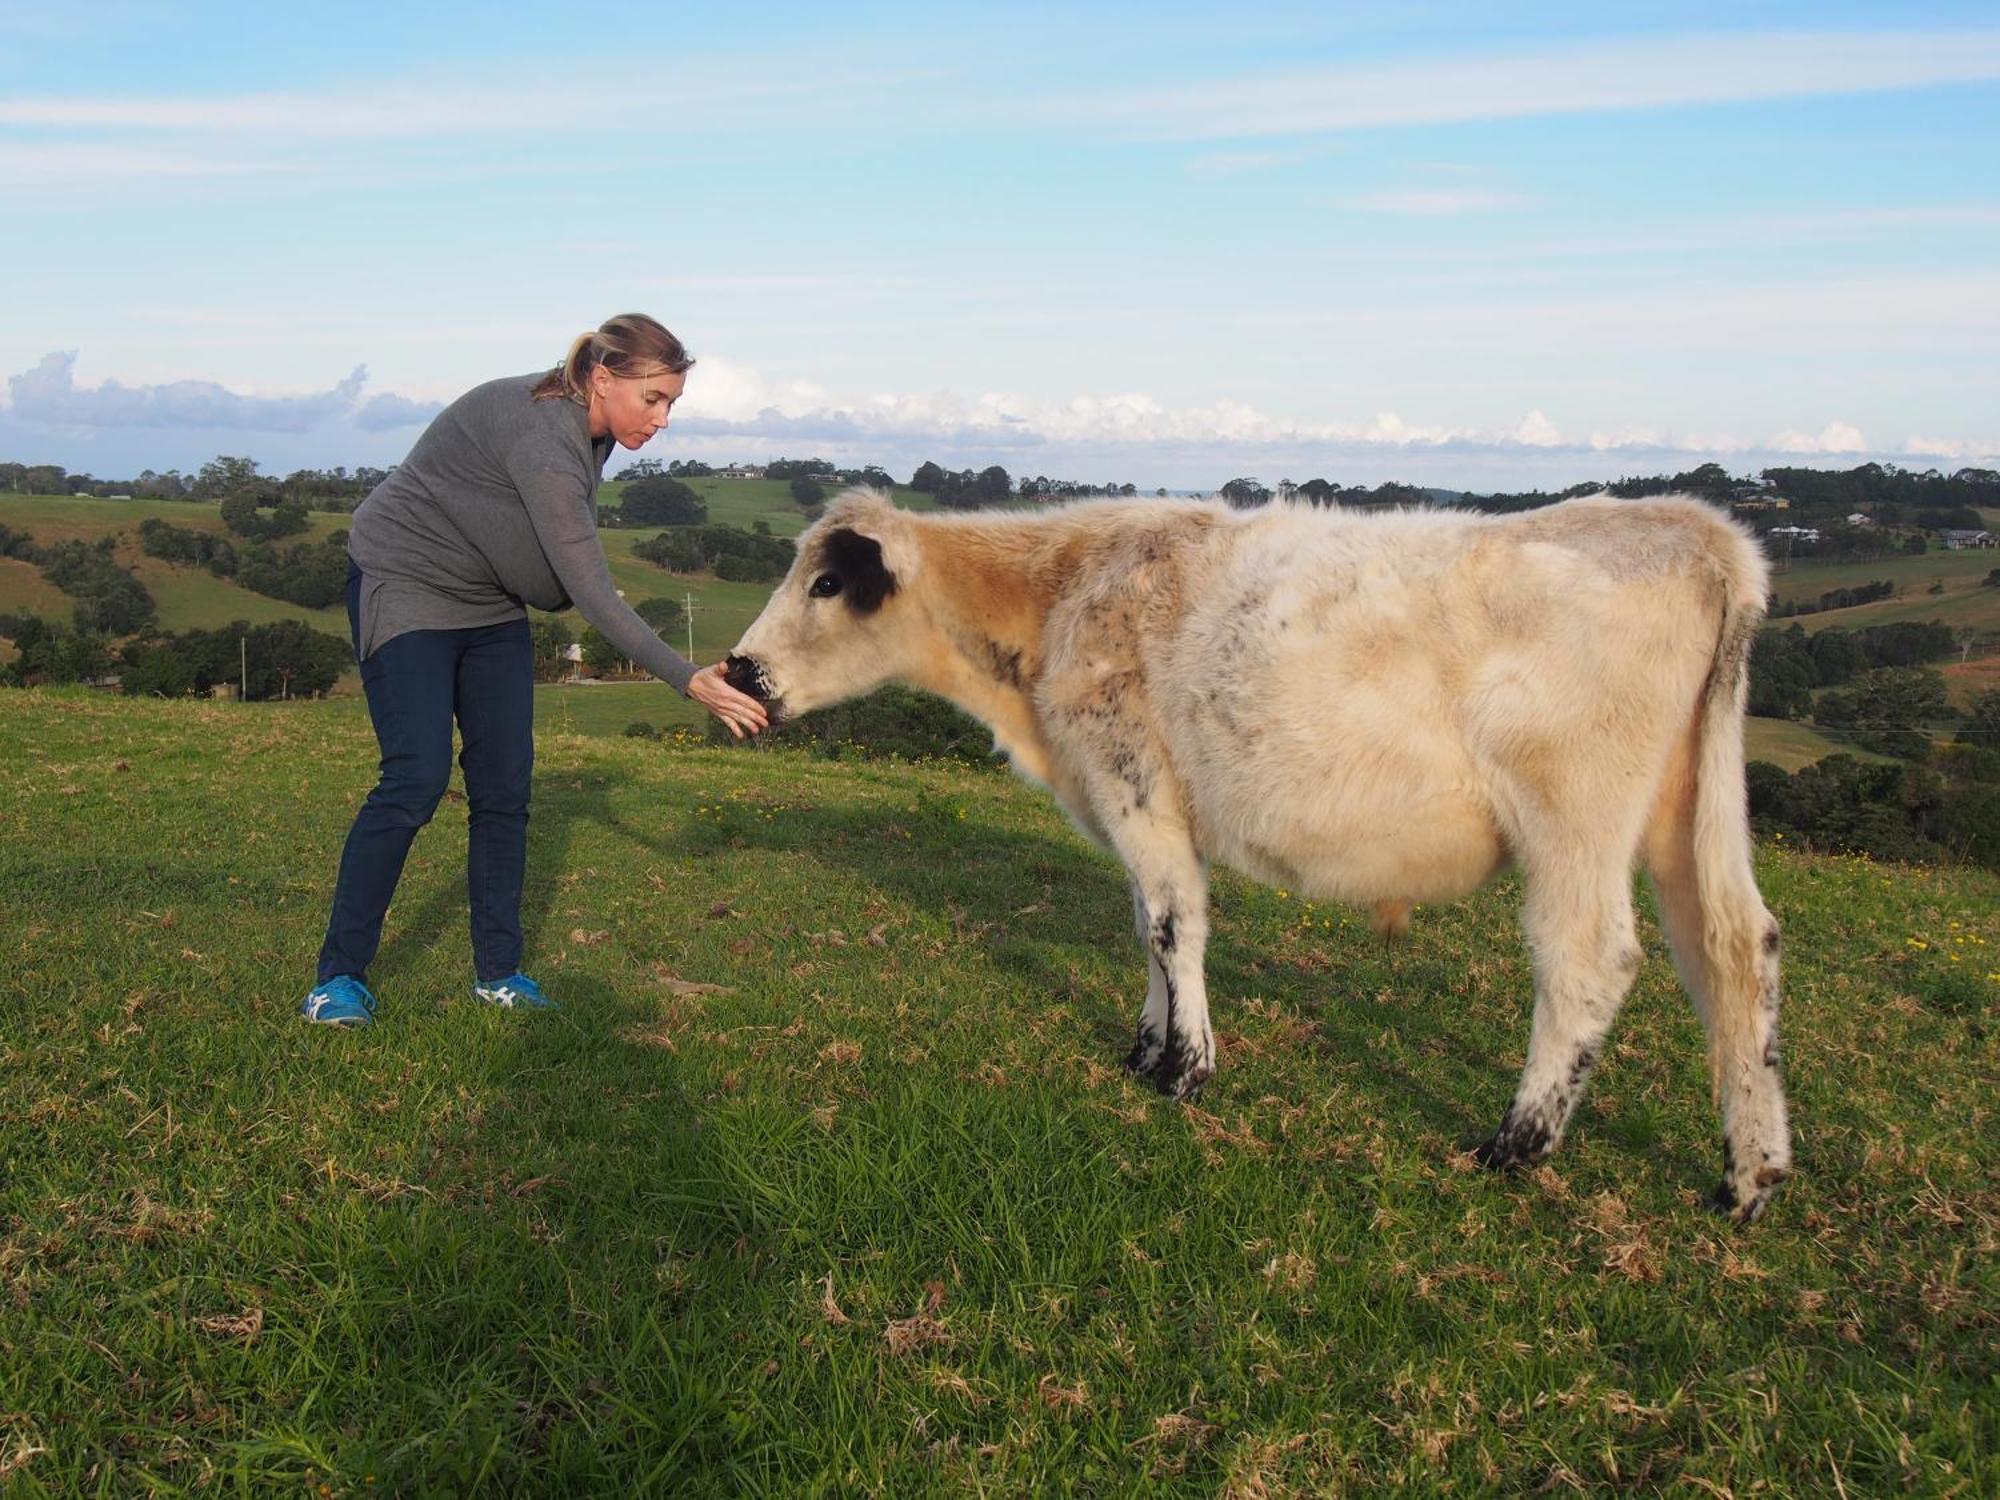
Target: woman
{"x":493,"y":510}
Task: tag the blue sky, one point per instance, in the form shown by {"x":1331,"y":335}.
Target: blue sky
{"x":1160,"y":243}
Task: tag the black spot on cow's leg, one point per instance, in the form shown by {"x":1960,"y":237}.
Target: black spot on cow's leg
{"x":1524,"y":1136}
{"x":1145,"y":1046}
{"x":1181,"y":1073}
{"x":1724,"y":1199}
{"x":1178,"y":1074}
{"x":1579,"y":1069}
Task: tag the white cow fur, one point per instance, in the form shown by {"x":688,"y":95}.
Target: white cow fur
{"x":1362,"y":708}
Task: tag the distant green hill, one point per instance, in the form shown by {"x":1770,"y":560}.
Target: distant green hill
{"x":1963,"y":599}
{"x":193,"y":598}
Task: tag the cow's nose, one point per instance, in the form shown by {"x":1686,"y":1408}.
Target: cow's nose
{"x":743,"y":674}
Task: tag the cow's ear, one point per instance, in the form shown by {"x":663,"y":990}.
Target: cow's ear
{"x":856,"y":558}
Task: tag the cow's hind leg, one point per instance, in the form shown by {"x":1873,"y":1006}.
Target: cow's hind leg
{"x":1727,"y":954}
{"x":1151,"y":1037}
{"x":1170,"y":897}
{"x":1586,"y":952}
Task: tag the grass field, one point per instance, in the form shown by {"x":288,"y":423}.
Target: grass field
{"x":1790,"y":745}
{"x":1963,"y":600}
{"x":824,"y":1183}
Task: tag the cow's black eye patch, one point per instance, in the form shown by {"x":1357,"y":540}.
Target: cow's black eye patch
{"x":855,"y":562}
{"x":825,"y":586}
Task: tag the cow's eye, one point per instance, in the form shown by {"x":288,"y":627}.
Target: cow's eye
{"x":825,"y":586}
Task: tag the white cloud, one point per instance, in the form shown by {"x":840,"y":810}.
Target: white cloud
{"x":717,"y":93}
{"x":1835,"y":437}
{"x":49,"y":396}
{"x":1613,"y":75}
{"x":1537,"y":431}
{"x":1960,"y":449}
{"x":737,"y":412}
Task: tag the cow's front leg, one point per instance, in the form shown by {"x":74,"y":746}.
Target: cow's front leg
{"x":1175,"y":1047}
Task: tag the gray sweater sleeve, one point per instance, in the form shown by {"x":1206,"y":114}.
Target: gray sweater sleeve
{"x":560,"y":514}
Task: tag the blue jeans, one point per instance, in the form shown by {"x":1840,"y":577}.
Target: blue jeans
{"x":416,"y":684}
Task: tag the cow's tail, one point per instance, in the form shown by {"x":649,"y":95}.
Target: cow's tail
{"x":1725,"y":940}
{"x":1733,"y":971}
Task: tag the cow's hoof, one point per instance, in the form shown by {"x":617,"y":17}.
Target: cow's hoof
{"x":1519,"y":1142}
{"x":1745,"y":1204}
{"x":1494,"y":1156}
{"x":1145,"y":1056}
{"x":1187,"y":1085}
{"x":1181,"y":1072}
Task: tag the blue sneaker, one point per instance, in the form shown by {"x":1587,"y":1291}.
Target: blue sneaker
{"x":342,"y":1001}
{"x":515,"y":992}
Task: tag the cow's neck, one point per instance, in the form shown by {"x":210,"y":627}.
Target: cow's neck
{"x":988,"y":589}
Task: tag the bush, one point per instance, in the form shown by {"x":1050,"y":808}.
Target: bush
{"x":109,"y":600}
{"x":312,"y":574}
{"x":1898,"y":812}
{"x":52,"y":654}
{"x":154,"y":671}
{"x":894,"y":721}
{"x":550,"y":638}
{"x":733,"y":567}
{"x":660,"y":612}
{"x":288,"y":659}
{"x":243,"y":513}
{"x":659,"y":501}
{"x":760,"y":557}
{"x":181,"y":544}
{"x":639,"y":729}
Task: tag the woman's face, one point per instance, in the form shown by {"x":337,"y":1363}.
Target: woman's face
{"x":631,"y":408}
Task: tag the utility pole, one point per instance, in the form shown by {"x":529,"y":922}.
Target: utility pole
{"x":243,"y":663}
{"x":687,"y":604}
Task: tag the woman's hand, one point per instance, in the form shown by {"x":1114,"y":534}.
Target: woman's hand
{"x":739,"y":711}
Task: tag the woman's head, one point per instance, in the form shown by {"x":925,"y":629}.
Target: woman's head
{"x":628,"y":373}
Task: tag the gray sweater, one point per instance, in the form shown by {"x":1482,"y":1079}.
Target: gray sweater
{"x":495,"y":509}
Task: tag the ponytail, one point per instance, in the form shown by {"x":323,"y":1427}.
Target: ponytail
{"x":629,"y":344}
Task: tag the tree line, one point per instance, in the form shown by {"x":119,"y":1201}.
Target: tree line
{"x":314,"y":489}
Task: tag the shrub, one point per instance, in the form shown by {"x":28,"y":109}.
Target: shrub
{"x":659,"y":501}
{"x":894,"y":721}
{"x":243,"y":513}
{"x":312,"y":574}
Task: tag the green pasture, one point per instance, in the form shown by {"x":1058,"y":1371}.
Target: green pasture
{"x":825,"y":1181}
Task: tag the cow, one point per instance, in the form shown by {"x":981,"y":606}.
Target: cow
{"x":1376,"y":709}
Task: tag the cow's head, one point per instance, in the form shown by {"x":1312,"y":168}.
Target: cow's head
{"x":835,"y":627}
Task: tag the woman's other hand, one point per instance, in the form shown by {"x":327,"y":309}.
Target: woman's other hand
{"x":741,"y":713}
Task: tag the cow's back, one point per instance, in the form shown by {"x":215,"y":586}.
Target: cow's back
{"x":1363,"y":707}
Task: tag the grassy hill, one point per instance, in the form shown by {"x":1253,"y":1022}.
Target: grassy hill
{"x":744,"y":502}
{"x":192,"y":597}
{"x":1791,"y":745}
{"x":824,"y":1181}
{"x":1961,"y":599}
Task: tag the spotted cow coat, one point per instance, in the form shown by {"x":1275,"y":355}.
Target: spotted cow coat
{"x":1370,"y":708}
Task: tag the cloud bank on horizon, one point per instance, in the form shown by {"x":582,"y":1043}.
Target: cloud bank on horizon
{"x":740,"y":416}
{"x":1144,"y":242}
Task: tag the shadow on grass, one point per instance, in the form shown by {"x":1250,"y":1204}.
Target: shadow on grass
{"x":1442,"y":1063}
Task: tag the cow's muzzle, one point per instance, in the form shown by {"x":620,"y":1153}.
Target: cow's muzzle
{"x":746,"y":675}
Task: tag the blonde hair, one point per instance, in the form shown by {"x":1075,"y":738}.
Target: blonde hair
{"x":630,"y":344}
